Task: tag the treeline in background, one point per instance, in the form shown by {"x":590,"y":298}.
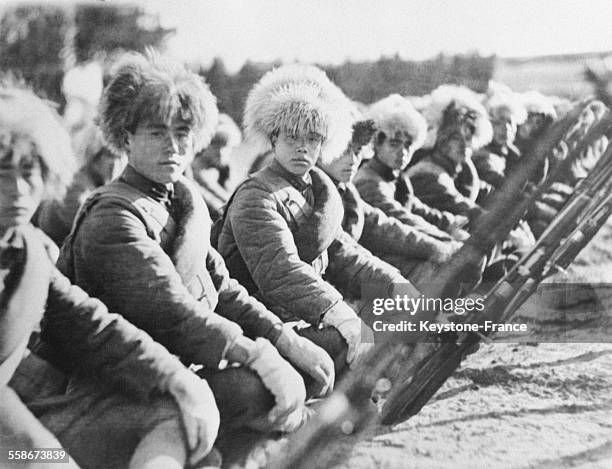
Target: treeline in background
{"x":39,"y":43}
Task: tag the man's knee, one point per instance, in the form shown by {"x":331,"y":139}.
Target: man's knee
{"x":240,"y":395}
{"x":164,"y":446}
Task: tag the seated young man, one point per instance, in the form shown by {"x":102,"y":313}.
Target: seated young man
{"x":210,"y":167}
{"x":142,"y":245}
{"x":400,"y":131}
{"x":415,"y":254}
{"x":113,"y":413}
{"x":494,"y":161}
{"x":446,"y":178}
{"x":282,"y":235}
{"x":541,"y":114}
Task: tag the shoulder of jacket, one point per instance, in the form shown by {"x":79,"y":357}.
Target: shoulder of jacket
{"x":366,"y":174}
{"x":116,"y":197}
{"x":424,"y":167}
{"x":265,"y":183}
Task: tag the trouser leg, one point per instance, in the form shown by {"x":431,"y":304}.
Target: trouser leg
{"x":242,"y":397}
{"x":99,"y":426}
{"x":104,"y":429}
{"x":240,"y":394}
{"x":21,"y":431}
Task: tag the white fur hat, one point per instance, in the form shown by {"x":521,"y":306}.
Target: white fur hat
{"x":298,"y":98}
{"x":463,"y":97}
{"x":536,"y":102}
{"x":395,"y":114}
{"x":24,"y":114}
{"x":563,"y":105}
{"x":506,"y":99}
{"x":84,"y":82}
{"x":495,"y":87}
{"x":419,"y":102}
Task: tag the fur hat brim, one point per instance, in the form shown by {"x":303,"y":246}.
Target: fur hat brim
{"x":298,"y":99}
{"x":441,"y":98}
{"x":395,"y":114}
{"x":153,"y":86}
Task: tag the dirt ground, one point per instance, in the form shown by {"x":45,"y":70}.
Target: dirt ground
{"x":529,"y":405}
{"x":546,"y":405}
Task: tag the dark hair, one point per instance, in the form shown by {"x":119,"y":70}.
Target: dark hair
{"x":363,"y":132}
{"x":149,"y":87}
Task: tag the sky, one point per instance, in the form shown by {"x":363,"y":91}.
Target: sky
{"x":332,"y":31}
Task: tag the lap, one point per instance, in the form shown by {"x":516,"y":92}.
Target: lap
{"x":98,"y":425}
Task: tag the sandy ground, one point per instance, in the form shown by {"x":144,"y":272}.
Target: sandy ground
{"x":541,"y":406}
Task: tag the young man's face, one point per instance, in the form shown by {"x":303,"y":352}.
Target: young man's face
{"x":21,"y":182}
{"x":395,"y":152}
{"x":161,"y":151}
{"x":504,"y":127}
{"x":456,"y":149}
{"x":532,"y":126}
{"x":297,"y":153}
{"x":344,"y":168}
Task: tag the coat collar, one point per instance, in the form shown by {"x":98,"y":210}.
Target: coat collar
{"x":383,"y":170}
{"x":301,"y":184}
{"x":449,"y":166}
{"x":160,"y":192}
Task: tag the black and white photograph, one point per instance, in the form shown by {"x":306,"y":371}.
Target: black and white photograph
{"x":305,"y":234}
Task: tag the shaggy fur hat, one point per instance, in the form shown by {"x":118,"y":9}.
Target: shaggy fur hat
{"x":24,"y":116}
{"x":395,"y":114}
{"x":461,"y":98}
{"x":562,"y":106}
{"x":363,"y":131}
{"x":298,"y":99}
{"x":419,"y":102}
{"x":154,"y":87}
{"x":536,"y":103}
{"x":506,"y":100}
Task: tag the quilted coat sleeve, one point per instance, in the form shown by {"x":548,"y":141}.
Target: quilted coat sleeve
{"x":235,"y":303}
{"x":383,"y":234}
{"x":115,"y":260}
{"x":88,"y":337}
{"x":439,"y":218}
{"x":439,"y":191}
{"x":352,"y":267}
{"x":380,"y":195}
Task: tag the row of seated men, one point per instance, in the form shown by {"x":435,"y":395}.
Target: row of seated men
{"x":263,"y":304}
